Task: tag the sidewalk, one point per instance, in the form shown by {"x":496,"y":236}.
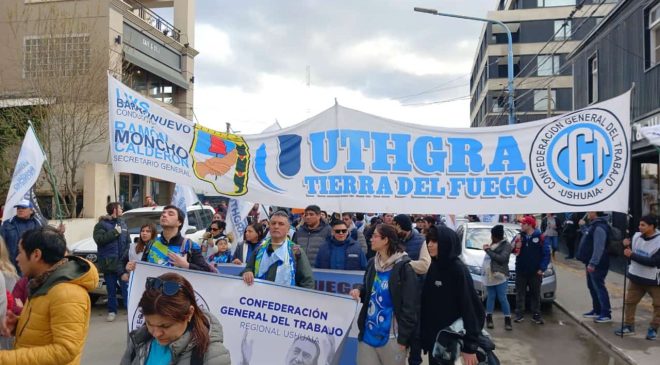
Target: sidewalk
{"x":573,"y":298}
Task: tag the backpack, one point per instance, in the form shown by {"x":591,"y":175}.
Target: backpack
{"x":615,"y":242}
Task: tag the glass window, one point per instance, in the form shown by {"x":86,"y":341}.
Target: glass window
{"x":541,"y":99}
{"x":654,"y":35}
{"x":193,"y":222}
{"x":60,"y":55}
{"x":593,"y":79}
{"x":562,"y":31}
{"x":649,"y":188}
{"x":547,"y":65}
{"x":549,"y":3}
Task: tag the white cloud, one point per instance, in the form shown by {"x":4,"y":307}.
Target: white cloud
{"x":214,"y":44}
{"x":392,"y":54}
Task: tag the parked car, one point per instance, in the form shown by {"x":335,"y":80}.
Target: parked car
{"x":474,"y":236}
{"x":199,"y":218}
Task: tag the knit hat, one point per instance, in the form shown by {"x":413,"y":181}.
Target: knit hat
{"x":404,"y":222}
{"x":497,"y":231}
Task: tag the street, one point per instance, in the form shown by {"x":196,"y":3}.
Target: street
{"x":559,"y":341}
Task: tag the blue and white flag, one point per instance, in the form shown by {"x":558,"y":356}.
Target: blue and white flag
{"x":236,"y":220}
{"x":183,"y":197}
{"x":28,"y":166}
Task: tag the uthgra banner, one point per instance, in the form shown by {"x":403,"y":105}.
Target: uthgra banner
{"x":346,"y":160}
{"x":263,"y":323}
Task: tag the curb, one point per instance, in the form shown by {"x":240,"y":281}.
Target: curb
{"x":619,"y":352}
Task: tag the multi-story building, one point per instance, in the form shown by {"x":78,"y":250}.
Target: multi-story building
{"x":620,"y":54}
{"x":46,"y":44}
{"x":543,"y":33}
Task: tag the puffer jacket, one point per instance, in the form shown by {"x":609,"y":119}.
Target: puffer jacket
{"x":499,"y":257}
{"x":53,"y":326}
{"x":110,"y":243}
{"x":12,"y":229}
{"x":182,"y":349}
{"x":311,"y":240}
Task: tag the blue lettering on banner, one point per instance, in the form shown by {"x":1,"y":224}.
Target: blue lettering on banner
{"x":447,"y":167}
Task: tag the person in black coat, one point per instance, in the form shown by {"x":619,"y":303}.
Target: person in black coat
{"x":448,"y":294}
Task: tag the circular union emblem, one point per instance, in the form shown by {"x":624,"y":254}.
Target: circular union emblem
{"x":581,"y":158}
{"x":138,"y":318}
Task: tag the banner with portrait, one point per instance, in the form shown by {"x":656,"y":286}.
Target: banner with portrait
{"x":263,"y":323}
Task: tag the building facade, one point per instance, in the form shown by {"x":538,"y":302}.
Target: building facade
{"x":544,"y":32}
{"x":623,"y":53}
{"x":44,"y":42}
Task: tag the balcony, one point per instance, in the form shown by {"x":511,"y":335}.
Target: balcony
{"x":156,"y":21}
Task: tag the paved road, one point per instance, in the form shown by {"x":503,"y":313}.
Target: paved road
{"x":559,"y":341}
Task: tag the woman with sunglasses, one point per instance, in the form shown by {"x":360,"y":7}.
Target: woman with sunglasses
{"x":340,"y":251}
{"x":176,"y":330}
{"x":216,"y":231}
{"x":388,"y":317}
{"x":254,"y":234}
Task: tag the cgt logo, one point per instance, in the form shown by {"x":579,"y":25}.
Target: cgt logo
{"x":581,"y":158}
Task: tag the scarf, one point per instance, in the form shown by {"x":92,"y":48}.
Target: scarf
{"x":286,"y":266}
{"x":381,"y":266}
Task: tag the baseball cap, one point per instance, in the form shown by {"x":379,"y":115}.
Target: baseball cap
{"x":528,"y":219}
{"x":23,"y":203}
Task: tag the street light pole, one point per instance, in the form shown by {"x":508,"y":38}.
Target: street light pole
{"x":512,"y":109}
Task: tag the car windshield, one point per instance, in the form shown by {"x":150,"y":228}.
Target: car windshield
{"x":135,"y":221}
{"x":477,"y":237}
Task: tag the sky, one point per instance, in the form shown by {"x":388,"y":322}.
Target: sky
{"x":262,"y":61}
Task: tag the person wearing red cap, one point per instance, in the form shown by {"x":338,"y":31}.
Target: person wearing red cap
{"x":533,"y":257}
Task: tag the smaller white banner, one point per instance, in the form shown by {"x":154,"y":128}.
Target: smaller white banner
{"x":263,"y":323}
{"x":28,"y":166}
{"x":237,"y":212}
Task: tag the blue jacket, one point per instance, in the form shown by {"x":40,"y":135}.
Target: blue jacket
{"x":593,"y":245}
{"x":534,"y":254}
{"x":414,"y":244}
{"x":341,"y":256}
{"x":12,"y":230}
{"x":110,"y":243}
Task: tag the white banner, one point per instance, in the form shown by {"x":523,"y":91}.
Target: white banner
{"x":236,"y":219}
{"x":266,"y":322}
{"x":346,"y":160}
{"x":183,"y":197}
{"x":28,"y":166}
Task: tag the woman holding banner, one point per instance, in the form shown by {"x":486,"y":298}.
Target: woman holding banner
{"x":176,"y":330}
{"x":388,"y":317}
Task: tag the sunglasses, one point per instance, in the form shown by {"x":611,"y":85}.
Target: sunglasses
{"x":215,"y":229}
{"x":341,"y":231}
{"x":168,"y":288}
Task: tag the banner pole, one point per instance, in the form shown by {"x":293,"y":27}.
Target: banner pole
{"x":49,"y":170}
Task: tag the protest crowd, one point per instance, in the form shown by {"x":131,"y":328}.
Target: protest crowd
{"x":417,"y":293}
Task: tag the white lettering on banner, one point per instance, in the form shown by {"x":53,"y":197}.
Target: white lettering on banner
{"x":363,"y":162}
{"x":272,"y":317}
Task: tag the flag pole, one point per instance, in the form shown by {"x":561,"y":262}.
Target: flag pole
{"x":49,"y":170}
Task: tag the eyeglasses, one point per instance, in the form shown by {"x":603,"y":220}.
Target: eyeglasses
{"x":168,"y":288}
{"x":340,"y":231}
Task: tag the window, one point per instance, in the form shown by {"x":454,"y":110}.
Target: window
{"x":593,"y":79}
{"x":541,"y":99}
{"x":654,"y":36}
{"x":51,"y":56}
{"x":549,"y":3}
{"x":498,"y":104}
{"x":547,"y":65}
{"x":149,"y":84}
{"x":562,"y":32}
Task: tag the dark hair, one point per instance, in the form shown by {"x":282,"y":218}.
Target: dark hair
{"x":314,"y":208}
{"x":48,"y":240}
{"x":259,"y":228}
{"x":359,"y":216}
{"x":221,"y":225}
{"x":140,"y":246}
{"x":651,"y":220}
{"x":347,"y":214}
{"x":432,"y":234}
{"x":600,"y":214}
{"x":110,"y":208}
{"x":430,"y":219}
{"x":181,"y":216}
{"x":337,"y":222}
{"x":389,"y":232}
{"x":176,"y":307}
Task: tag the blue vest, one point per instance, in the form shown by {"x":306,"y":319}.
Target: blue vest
{"x":586,"y":248}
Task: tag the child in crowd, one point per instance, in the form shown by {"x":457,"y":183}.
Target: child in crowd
{"x":223,"y":254}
